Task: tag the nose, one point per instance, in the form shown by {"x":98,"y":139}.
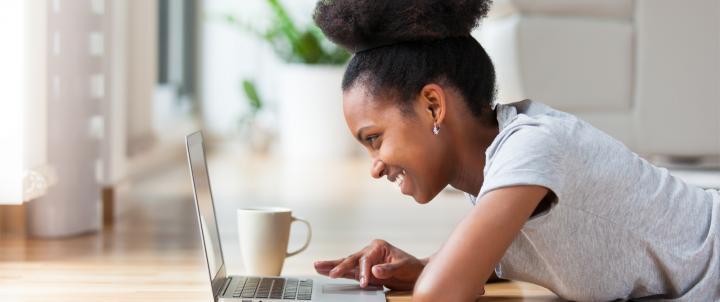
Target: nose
{"x":378,"y":168}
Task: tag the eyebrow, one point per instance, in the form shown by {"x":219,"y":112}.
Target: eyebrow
{"x":360,"y":132}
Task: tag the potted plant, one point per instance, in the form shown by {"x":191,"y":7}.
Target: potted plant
{"x":257,"y":125}
{"x":307,"y":87}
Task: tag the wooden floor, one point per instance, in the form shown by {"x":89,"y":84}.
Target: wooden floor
{"x":152,"y":253}
{"x":140,"y":259}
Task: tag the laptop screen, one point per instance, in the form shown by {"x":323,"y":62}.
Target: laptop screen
{"x":204,"y":205}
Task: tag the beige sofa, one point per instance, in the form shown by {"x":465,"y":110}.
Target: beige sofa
{"x":645,"y":71}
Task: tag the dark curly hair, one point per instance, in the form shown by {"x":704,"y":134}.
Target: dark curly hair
{"x":400,"y":46}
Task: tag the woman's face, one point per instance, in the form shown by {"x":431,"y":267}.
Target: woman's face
{"x":401,"y":144}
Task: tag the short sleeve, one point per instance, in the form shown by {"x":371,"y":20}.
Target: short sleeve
{"x":526,"y":153}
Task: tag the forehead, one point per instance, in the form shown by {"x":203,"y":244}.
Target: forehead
{"x":362,"y":108}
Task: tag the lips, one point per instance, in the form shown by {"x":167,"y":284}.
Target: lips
{"x":398,"y":178}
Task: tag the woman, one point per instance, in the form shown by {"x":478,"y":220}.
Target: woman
{"x":556,"y":202}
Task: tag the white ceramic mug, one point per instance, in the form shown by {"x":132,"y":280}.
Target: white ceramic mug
{"x":264,"y":234}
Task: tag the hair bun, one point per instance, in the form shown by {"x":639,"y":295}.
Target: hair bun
{"x":361,"y":24}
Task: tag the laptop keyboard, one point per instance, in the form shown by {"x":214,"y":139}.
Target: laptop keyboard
{"x":273,"y":288}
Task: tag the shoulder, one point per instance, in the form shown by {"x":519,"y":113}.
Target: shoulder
{"x":531,"y":148}
{"x":530,"y":126}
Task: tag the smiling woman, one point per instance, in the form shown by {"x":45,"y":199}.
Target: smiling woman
{"x":402,"y":142}
{"x":554,"y":197}
{"x":400,"y":83}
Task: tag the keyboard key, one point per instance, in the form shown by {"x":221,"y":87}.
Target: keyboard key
{"x":289,"y":295}
{"x":265,"y":286}
{"x":273,"y":288}
{"x":277,"y":289}
{"x":250,"y":288}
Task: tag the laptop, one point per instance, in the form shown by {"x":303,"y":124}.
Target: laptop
{"x":257,"y":288}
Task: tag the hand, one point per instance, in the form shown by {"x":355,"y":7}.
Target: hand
{"x":379,"y":263}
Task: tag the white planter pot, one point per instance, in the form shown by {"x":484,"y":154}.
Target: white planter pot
{"x":311,"y":121}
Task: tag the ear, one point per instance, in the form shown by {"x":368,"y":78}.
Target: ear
{"x":433,"y":101}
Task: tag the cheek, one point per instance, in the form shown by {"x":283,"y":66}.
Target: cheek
{"x":429,"y":167}
{"x":407,"y":147}
{"x":421,"y":155}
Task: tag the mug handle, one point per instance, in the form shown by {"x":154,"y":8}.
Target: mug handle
{"x":307,"y":241}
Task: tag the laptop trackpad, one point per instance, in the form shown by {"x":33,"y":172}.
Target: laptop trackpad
{"x":351,"y":289}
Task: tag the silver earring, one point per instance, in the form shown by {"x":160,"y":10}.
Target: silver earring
{"x":436,"y":129}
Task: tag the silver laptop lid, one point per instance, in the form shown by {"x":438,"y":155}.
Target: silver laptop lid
{"x":206,"y":211}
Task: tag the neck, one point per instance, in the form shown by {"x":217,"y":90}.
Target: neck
{"x":470,"y":154}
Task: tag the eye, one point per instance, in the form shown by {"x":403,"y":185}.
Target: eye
{"x":371,"y":138}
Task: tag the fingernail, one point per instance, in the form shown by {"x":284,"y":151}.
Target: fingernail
{"x":362,"y":281}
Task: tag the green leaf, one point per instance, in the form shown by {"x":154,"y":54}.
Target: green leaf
{"x":308,"y":46}
{"x":252,"y":95}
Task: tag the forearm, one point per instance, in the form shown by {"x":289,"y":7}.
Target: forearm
{"x":458,"y":269}
{"x":434,"y":284}
{"x":493,"y":277}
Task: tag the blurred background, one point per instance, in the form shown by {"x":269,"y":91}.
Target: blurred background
{"x":98,"y":95}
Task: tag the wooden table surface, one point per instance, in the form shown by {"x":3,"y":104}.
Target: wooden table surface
{"x":153,"y":253}
{"x":505,"y":291}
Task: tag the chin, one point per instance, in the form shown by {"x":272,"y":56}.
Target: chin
{"x":422,"y":202}
{"x":422,"y":198}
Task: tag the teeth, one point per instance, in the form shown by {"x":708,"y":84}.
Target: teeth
{"x":400,"y":178}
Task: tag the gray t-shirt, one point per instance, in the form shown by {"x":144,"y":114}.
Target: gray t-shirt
{"x":620,"y":228}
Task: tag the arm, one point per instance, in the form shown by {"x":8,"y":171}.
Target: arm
{"x":467,"y":259}
{"x":493,"y":276}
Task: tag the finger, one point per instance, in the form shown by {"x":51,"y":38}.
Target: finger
{"x":385,"y":270}
{"x":363,"y":274}
{"x":352,"y":272}
{"x":365,"y":263}
{"x":346,"y":265}
{"x":347,"y":275}
{"x":327,"y":264}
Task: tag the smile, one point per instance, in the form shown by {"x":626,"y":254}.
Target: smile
{"x":399,"y":178}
